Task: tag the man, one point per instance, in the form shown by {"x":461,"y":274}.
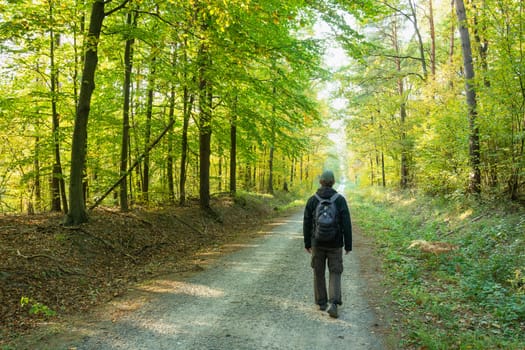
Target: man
{"x":330,"y":251}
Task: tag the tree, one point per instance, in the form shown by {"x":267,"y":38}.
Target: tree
{"x":128,"y":68}
{"x":470,"y":91}
{"x":77,"y":209}
{"x":58,"y":187}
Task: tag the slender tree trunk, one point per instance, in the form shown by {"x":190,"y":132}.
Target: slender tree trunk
{"x":292,"y":170}
{"x":404,"y":171}
{"x":77,"y":211}
{"x":170,"y":158}
{"x":272,"y":148}
{"x":405,"y":175}
{"x":474,"y":144}
{"x":205,"y":99}
{"x":382,"y":146}
{"x":128,"y":67}
{"x":419,"y":39}
{"x":372,"y":178}
{"x":482,"y":45}
{"x":36,"y":169}
{"x":270,"y":169}
{"x":432,"y":38}
{"x":301,"y":164}
{"x":58,"y":186}
{"x":136,"y":182}
{"x":383,"y":176}
{"x":55,"y":186}
{"x":233,"y":149}
{"x":452,"y":37}
{"x":188,"y":106}
{"x":147,"y":133}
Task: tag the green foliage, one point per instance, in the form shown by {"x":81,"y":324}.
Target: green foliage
{"x":36,"y":308}
{"x":474,"y":292}
{"x":402,"y":118}
{"x":279,"y":200}
{"x":262,"y":67}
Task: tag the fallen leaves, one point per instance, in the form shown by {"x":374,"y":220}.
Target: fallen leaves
{"x":70,"y":271}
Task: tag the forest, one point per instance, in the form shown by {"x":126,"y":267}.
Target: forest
{"x":119,"y":101}
{"x":149,"y":103}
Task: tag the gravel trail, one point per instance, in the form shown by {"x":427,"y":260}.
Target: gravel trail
{"x":260,"y":297}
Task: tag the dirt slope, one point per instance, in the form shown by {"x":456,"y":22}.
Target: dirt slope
{"x":63,"y":272}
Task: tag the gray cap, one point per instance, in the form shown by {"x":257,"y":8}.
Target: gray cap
{"x":327,"y":176}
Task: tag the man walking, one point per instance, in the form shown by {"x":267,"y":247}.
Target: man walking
{"x":327,"y":229}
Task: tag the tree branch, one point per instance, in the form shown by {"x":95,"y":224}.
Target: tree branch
{"x":121,"y":6}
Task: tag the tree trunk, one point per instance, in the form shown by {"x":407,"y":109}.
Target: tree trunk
{"x":233,"y":150}
{"x":36,"y":170}
{"x":188,"y":105}
{"x":474,"y":145}
{"x":419,"y":39}
{"x":58,"y":193}
{"x":482,"y":45}
{"x":372,"y":179}
{"x":77,"y":211}
{"x":170,"y":160}
{"x":272,"y":148}
{"x":432,"y":38}
{"x":128,"y":66}
{"x":147,"y":133}
{"x":404,"y":167}
{"x":204,"y":136}
{"x":383,"y":176}
{"x":270,"y":169}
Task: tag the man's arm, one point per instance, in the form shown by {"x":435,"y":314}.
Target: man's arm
{"x":346,"y":224}
{"x":307,"y":226}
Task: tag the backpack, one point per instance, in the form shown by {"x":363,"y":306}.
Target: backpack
{"x":326,"y":225}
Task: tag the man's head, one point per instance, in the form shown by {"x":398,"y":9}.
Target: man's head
{"x":327,"y":178}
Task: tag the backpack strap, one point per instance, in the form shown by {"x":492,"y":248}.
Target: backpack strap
{"x":332,"y":199}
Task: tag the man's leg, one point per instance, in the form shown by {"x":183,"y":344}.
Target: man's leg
{"x":319,"y":267}
{"x":335,"y":266}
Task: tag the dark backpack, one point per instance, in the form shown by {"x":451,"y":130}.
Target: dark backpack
{"x":326,"y":225}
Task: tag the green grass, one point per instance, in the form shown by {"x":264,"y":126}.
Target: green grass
{"x":469,"y":298}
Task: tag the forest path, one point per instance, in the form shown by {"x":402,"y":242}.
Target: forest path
{"x":259,"y":297}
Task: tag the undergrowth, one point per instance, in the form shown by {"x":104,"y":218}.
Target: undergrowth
{"x":472,"y":297}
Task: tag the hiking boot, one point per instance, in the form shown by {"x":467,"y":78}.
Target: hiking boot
{"x":332,"y":311}
{"x":323,"y":307}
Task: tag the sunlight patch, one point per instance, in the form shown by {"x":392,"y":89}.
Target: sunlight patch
{"x":239,"y":245}
{"x":466,"y":214}
{"x":408,"y":201}
{"x":277,"y":223}
{"x":166,"y":286}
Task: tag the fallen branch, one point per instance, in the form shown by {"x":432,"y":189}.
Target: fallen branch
{"x":477,"y":218}
{"x":58,"y":262}
{"x":31,"y":257}
{"x":137,"y":162}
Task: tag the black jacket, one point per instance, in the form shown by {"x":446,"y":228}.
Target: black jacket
{"x":344,"y":238}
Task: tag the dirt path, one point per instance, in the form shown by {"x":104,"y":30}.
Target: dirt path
{"x":259,"y":297}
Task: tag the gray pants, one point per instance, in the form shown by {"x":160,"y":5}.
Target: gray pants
{"x":334,"y":257}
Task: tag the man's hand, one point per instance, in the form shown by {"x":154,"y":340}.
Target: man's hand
{"x":308,"y":250}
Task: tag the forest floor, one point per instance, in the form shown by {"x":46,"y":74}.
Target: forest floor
{"x":50,"y":273}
